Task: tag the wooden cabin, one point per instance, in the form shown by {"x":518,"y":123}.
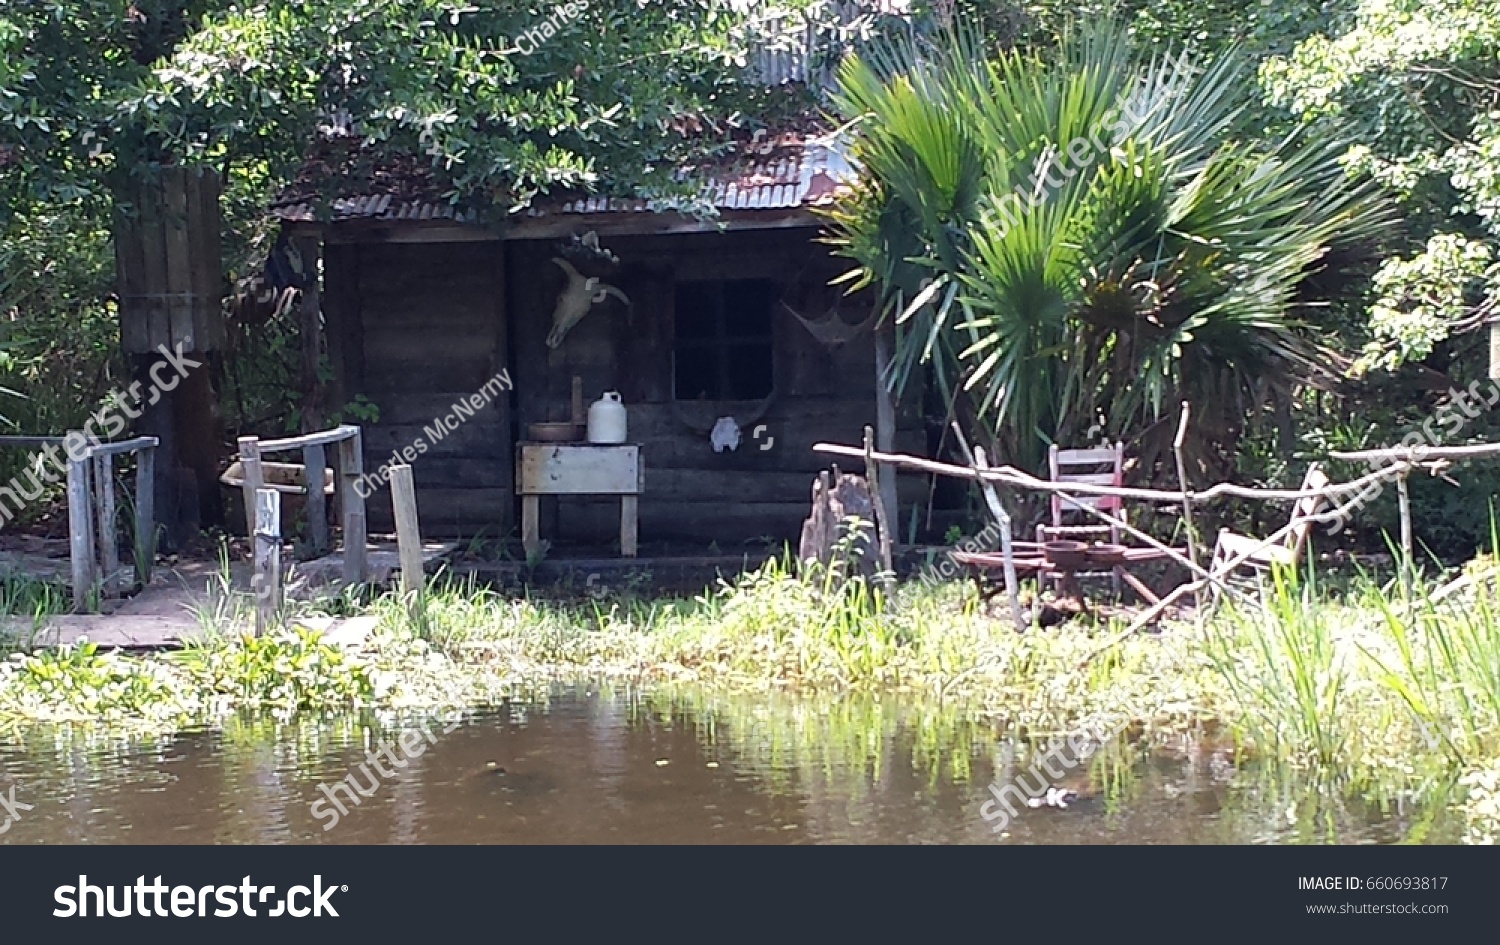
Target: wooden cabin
{"x":730,"y":318}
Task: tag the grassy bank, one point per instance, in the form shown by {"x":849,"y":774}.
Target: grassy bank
{"x":1355,"y":687}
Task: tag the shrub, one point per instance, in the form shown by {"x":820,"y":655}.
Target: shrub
{"x":76,"y":681}
{"x":288,"y":669}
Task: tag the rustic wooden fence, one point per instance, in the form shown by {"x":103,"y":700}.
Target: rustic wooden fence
{"x":1345,"y":497}
{"x":313,"y":446}
{"x":93,"y":514}
{"x":263,"y":512}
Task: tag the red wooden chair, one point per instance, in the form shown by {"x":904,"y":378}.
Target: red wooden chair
{"x":1102,"y":466}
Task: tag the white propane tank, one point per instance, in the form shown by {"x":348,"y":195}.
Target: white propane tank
{"x":607,"y":419}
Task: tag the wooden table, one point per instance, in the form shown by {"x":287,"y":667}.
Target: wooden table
{"x":580,"y":469}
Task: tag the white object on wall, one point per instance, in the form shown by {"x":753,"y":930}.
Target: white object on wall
{"x":725,"y":435}
{"x":575,"y":300}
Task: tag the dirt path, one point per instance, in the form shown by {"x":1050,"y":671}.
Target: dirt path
{"x":181,"y":599}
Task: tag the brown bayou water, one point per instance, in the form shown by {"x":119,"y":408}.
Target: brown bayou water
{"x":596,"y":764}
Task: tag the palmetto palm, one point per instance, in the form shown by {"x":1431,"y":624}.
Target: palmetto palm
{"x":1079,"y":240}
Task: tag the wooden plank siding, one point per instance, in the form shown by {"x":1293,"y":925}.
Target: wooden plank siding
{"x":420,"y":327}
{"x":416,"y":326}
{"x":692,"y":493}
{"x":167,"y":254}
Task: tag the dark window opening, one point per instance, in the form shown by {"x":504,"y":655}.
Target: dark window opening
{"x":723,"y":341}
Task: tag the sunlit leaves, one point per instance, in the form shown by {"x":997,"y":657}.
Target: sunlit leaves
{"x":504,"y":98}
{"x":1420,"y":80}
{"x":1421,"y":298}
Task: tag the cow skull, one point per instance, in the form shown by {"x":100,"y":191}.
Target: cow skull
{"x":575,"y":300}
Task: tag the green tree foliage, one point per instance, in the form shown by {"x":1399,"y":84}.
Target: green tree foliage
{"x":1253,"y":28}
{"x":1419,"y":80}
{"x":490,"y":102}
{"x":63,"y":69}
{"x":1081,"y":239}
{"x":507,"y":98}
{"x":61,"y":64}
{"x":504,"y":99}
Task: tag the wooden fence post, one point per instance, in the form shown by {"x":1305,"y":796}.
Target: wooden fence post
{"x":254,"y":477}
{"x":107,"y":538}
{"x":408,"y":535}
{"x":314,"y":464}
{"x":352,"y":468}
{"x":80,"y":534}
{"x":979,"y":462}
{"x":1007,"y":541}
{"x":267,"y":576}
{"x":882,"y":517}
{"x":1187,"y":498}
{"x":310,"y":326}
{"x":1408,"y":552}
{"x":145,"y":514}
{"x":885,"y":416}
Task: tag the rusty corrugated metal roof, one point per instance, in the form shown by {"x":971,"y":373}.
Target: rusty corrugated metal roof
{"x":805,"y":175}
{"x":371,"y":207}
{"x":788,"y":176}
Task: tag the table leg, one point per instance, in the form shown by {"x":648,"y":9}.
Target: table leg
{"x":629,"y":524}
{"x":530,"y":510}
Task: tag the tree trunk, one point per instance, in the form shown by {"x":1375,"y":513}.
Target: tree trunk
{"x":169,"y":279}
{"x":188,"y":498}
{"x":829,"y":536}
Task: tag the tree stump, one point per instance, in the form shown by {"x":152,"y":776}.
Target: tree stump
{"x":840,"y":531}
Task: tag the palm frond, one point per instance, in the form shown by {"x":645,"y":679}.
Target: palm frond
{"x":1112,"y":247}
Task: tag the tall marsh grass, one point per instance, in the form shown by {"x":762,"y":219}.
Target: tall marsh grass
{"x":1374,"y":692}
{"x":1354,"y":687}
{"x":26,"y":604}
{"x":782,"y":627}
{"x":1446,"y":668}
{"x":1284,"y":666}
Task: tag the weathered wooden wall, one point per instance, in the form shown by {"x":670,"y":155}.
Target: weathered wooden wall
{"x":415,"y":327}
{"x":692,"y":493}
{"x":170,"y":285}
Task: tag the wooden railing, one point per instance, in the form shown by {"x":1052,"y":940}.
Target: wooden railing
{"x":1344,"y":497}
{"x":93,"y":513}
{"x":263,"y":513}
{"x":263,"y":507}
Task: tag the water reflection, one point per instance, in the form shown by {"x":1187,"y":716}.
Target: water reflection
{"x":591,"y":764}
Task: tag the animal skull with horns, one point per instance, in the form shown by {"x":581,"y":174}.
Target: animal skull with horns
{"x":577,"y":297}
